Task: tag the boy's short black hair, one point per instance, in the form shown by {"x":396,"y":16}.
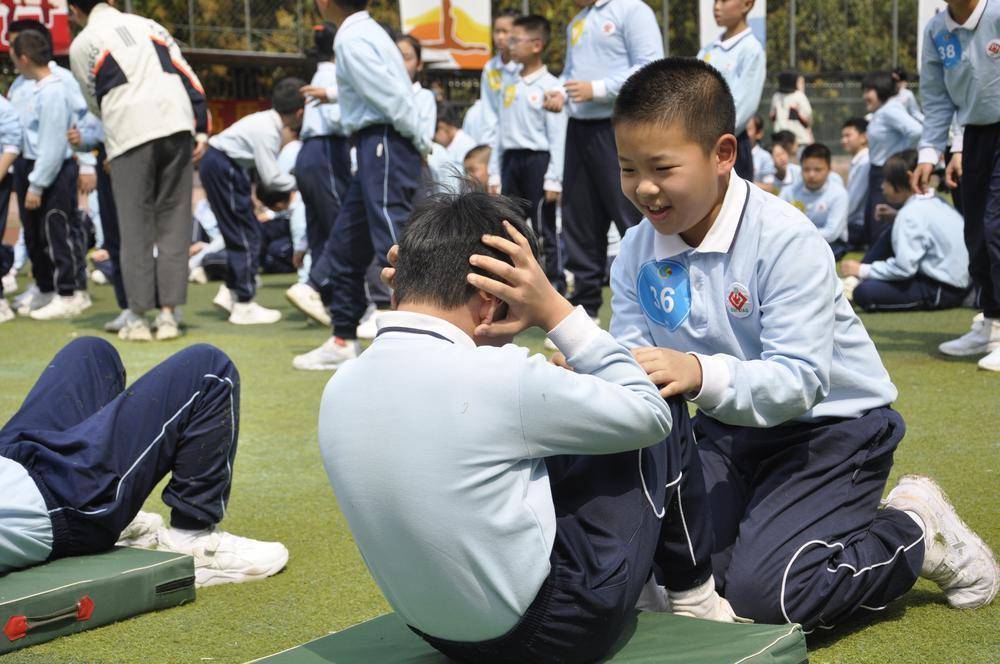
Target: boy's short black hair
{"x":447,"y":114}
{"x":287,"y":97}
{"x":788,"y":81}
{"x":898,"y":167}
{"x":22,"y":24}
{"x":899,"y":74}
{"x":536,"y":25}
{"x":414,"y":42}
{"x":881,"y":82}
{"x":444,"y":231}
{"x":506,"y":13}
{"x":684,"y":90}
{"x":352,"y":5}
{"x":86,"y":6}
{"x":785,"y":139}
{"x":323,"y":35}
{"x":33,"y":45}
{"x":481,"y":152}
{"x":816,"y":151}
{"x":858,"y":123}
{"x":273,"y":197}
{"x":758,"y":121}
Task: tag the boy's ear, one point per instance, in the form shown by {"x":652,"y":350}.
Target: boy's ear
{"x":725,"y":153}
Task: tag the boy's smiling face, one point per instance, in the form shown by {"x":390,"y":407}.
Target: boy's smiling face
{"x":671,"y":179}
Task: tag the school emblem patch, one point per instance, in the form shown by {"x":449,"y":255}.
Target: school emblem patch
{"x":576,"y":31}
{"x":993,"y":49}
{"x":608,"y":28}
{"x":509,"y":93}
{"x":738,"y":302}
{"x":535,"y":99}
{"x":821,"y":207}
{"x":664,"y":290}
{"x":799,"y":205}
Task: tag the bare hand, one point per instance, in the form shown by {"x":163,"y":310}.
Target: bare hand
{"x":32,"y":201}
{"x":74,"y":137}
{"x":885,"y":211}
{"x":523,"y":286}
{"x":552,"y":196}
{"x":559,"y":360}
{"x":316,"y":92}
{"x":298,"y":259}
{"x":199,"y":151}
{"x":554,"y":101}
{"x":580,"y":91}
{"x":850,"y":268}
{"x":86,"y":183}
{"x":673,"y":372}
{"x":100,"y":255}
{"x":493,"y":189}
{"x":921,"y":178}
{"x":953,"y":173}
{"x":388,"y":274}
{"x":195,"y":248}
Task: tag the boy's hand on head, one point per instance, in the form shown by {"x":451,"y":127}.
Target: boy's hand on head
{"x":953,"y":173}
{"x":579,"y":91}
{"x":673,"y":372}
{"x":523,"y":286}
{"x":554,"y":101}
{"x":388,"y":274}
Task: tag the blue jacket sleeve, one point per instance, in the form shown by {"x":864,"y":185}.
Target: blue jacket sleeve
{"x":644,"y":43}
{"x":750,"y":88}
{"x":10,"y":128}
{"x":907,"y":124}
{"x":908,"y":246}
{"x":836,"y":219}
{"x":53,"y":122}
{"x":938,"y":106}
{"x":555,"y":128}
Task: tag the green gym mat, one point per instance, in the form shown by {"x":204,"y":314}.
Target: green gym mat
{"x":71,"y":595}
{"x":659,"y":638}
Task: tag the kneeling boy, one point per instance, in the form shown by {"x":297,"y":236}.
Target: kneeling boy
{"x":730,"y":297}
{"x":509,"y":510}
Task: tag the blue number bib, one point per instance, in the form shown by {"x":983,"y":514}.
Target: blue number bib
{"x":949,"y":48}
{"x":664,"y":293}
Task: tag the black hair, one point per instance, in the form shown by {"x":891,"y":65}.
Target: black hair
{"x":899,"y":74}
{"x":537,"y":25}
{"x":506,"y":13}
{"x":447,"y":114}
{"x":785,"y":139}
{"x":444,"y":231}
{"x":323,"y":35}
{"x":414,"y":42}
{"x":286,"y":98}
{"x":478,"y":152}
{"x":33,"y":45}
{"x":352,"y":5}
{"x":86,"y":6}
{"x":272,"y":197}
{"x":22,"y":24}
{"x":758,"y":121}
{"x":684,"y":90}
{"x":858,"y":123}
{"x":787,"y":81}
{"x":881,"y":82}
{"x":816,"y":151}
{"x":898,"y":167}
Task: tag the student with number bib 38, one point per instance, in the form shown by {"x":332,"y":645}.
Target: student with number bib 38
{"x":729,"y":297}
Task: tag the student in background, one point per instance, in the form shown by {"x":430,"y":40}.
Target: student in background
{"x":784,"y":149}
{"x":455,"y":144}
{"x":412,"y":52}
{"x":527,"y":159}
{"x":206,"y":263}
{"x":763,"y":162}
{"x":904,"y":95}
{"x":890,"y":131}
{"x":741,"y":59}
{"x":476,"y":164}
{"x":492,"y":80}
{"x":253,"y":142}
{"x":854,"y":139}
{"x":10,"y":143}
{"x":791,"y":110}
{"x":919,"y":263}
{"x":823,"y":200}
{"x":479,"y":123}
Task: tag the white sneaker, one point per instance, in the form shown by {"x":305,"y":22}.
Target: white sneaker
{"x":82,"y":300}
{"x":197,"y":275}
{"x":984,"y":337}
{"x":166,"y":326}
{"x":328,"y":357}
{"x":10,"y":281}
{"x":135,"y":328}
{"x":118,"y":322}
{"x":26,"y":297}
{"x":60,"y":306}
{"x":308,"y":301}
{"x":368,"y":325}
{"x":955,"y":558}
{"x":31,"y":298}
{"x":221,"y":557}
{"x":98,"y":278}
{"x":991,"y":362}
{"x":224,"y":299}
{"x":141,"y":533}
{"x":251,"y":313}
{"x":6,"y":313}
{"x":850,"y":283}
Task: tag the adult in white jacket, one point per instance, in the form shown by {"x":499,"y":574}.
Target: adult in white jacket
{"x":151,"y":103}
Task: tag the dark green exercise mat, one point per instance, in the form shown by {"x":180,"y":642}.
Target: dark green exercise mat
{"x":74,"y":594}
{"x":651,"y":638}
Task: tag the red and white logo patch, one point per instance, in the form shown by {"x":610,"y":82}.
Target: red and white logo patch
{"x":738,"y":302}
{"x":608,"y":28}
{"x":535,"y":99}
{"x":993,"y":49}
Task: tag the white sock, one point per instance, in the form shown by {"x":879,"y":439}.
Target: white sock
{"x":182,"y":535}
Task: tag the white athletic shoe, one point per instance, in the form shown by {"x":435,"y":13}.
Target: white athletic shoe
{"x":134,"y":328}
{"x":26,"y":296}
{"x":10,"y":281}
{"x":197,"y":275}
{"x":29,"y":299}
{"x":850,"y":283}
{"x":60,"y":306}
{"x":166,"y":326}
{"x":251,"y":313}
{"x":368,"y":325}
{"x":98,"y":278}
{"x":991,"y":362}
{"x":220,"y":557}
{"x":142,"y":532}
{"x":81,"y":299}
{"x":6,"y":313}
{"x":984,"y":337}
{"x":118,"y":322}
{"x":328,"y":357}
{"x":702,"y":602}
{"x":224,"y":299}
{"x":307,"y":300}
{"x":955,"y":558}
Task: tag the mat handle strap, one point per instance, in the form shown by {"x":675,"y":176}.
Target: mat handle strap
{"x":17,"y":627}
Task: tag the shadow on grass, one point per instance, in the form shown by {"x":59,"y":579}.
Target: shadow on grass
{"x":910,"y":340}
{"x":863,"y":619}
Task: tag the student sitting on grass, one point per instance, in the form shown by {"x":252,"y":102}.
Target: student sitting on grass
{"x":920,"y":262}
{"x":508,"y":509}
{"x":476,"y":163}
{"x":821,"y":198}
{"x":82,"y":454}
{"x":784,"y":149}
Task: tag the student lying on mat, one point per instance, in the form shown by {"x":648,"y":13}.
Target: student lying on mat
{"x":82,"y":454}
{"x":509,"y":509}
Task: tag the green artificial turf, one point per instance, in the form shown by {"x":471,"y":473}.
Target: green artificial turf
{"x":281,"y":492}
